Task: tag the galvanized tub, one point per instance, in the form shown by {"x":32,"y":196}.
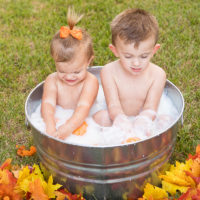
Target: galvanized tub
{"x":115,"y":172}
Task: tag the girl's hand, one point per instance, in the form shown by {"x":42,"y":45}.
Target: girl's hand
{"x":62,"y":132}
{"x":50,"y":130}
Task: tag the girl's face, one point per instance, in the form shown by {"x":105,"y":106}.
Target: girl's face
{"x":74,"y":71}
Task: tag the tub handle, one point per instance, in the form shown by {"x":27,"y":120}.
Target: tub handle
{"x":26,"y":123}
{"x":182,"y":120}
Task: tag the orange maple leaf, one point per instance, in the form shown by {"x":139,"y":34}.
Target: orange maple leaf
{"x":37,"y":191}
{"x":6,"y":164}
{"x":63,"y":194}
{"x":7,"y":186}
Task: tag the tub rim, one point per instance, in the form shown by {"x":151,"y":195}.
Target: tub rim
{"x":179,"y":117}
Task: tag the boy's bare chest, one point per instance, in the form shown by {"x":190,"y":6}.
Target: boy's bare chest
{"x":132,"y":94}
{"x":67,"y":96}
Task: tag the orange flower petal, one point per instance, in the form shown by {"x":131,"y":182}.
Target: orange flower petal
{"x":81,"y":130}
{"x":23,"y":152}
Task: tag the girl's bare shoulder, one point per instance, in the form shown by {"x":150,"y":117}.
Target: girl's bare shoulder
{"x":51,"y":77}
{"x":91,"y":78}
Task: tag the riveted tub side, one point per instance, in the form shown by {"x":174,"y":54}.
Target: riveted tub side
{"x":105,"y":172}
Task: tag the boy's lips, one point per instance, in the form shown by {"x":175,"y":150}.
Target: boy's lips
{"x":136,"y":69}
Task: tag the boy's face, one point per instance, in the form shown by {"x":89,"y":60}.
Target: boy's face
{"x":135,"y":60}
{"x":74,"y":71}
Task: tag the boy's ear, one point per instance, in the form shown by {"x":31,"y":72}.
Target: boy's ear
{"x":113,"y":49}
{"x":156,"y":47}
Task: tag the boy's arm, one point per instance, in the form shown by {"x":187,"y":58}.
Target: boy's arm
{"x":111,"y":93}
{"x":49,"y":104}
{"x":87,"y":98}
{"x":115,"y":110}
{"x":153,"y":97}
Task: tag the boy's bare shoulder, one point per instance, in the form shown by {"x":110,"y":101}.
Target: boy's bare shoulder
{"x":157,"y":71}
{"x":110,"y":67}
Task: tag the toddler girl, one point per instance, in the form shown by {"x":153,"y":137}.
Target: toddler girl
{"x":72,"y":86}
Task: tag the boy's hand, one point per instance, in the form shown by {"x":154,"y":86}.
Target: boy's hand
{"x":144,"y":124}
{"x":122,"y":122}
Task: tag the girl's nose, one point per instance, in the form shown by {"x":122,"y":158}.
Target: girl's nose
{"x":69,"y":76}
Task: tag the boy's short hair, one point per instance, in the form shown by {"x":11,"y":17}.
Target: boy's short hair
{"x":134,"y":25}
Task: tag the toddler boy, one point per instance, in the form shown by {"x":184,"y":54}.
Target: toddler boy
{"x":132,"y":84}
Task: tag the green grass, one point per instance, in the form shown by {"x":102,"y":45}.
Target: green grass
{"x":28,"y":26}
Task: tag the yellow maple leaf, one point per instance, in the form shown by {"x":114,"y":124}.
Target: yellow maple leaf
{"x":23,"y":174}
{"x":182,"y":166}
{"x":50,"y":189}
{"x":154,"y":192}
{"x":26,"y":176}
{"x":182,"y":175}
{"x":172,"y":178}
{"x":37,"y":171}
{"x":172,"y":188}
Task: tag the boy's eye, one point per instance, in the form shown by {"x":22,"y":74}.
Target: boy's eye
{"x":76,"y":72}
{"x":144,"y":56}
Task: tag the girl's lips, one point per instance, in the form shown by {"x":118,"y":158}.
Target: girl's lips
{"x":70,"y":81}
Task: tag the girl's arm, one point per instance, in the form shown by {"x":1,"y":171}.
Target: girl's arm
{"x":87,"y":98}
{"x":49,"y":104}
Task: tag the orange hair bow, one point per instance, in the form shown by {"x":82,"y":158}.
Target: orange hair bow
{"x":65,"y":31}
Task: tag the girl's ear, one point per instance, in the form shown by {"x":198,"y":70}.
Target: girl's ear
{"x":90,"y":60}
{"x":113,"y":49}
{"x":156,"y":47}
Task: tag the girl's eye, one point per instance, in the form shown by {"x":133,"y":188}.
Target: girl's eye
{"x":127,"y":57}
{"x":76,"y":72}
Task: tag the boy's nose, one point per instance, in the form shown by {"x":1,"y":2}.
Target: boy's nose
{"x":136,"y":62}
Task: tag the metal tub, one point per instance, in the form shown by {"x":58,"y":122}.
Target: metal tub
{"x":116,"y":172}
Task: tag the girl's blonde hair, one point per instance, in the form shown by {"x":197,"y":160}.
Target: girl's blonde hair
{"x":64,"y":49}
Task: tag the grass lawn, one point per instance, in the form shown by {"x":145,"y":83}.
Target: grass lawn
{"x":26,"y":31}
